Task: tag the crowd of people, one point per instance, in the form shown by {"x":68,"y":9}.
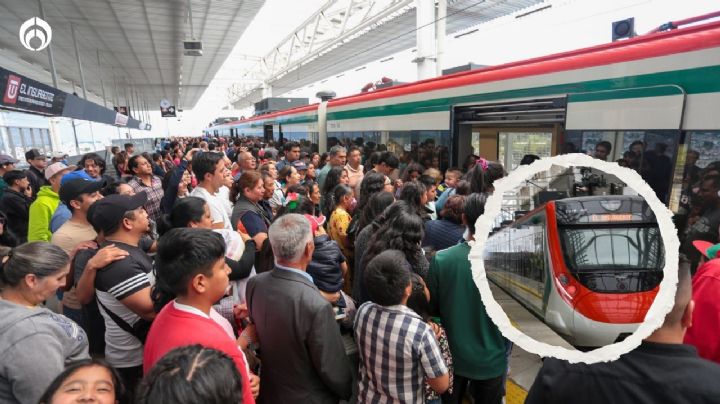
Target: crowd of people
{"x":237,"y":270}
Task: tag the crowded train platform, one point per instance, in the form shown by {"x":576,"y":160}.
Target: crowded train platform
{"x":322,"y":252}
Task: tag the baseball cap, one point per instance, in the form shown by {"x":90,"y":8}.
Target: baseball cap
{"x":56,"y":168}
{"x":58,"y":154}
{"x":33,"y":154}
{"x":315,"y":221}
{"x":6,"y":159}
{"x":70,"y":190}
{"x":299,"y":165}
{"x":105,"y":214}
{"x":706,"y":248}
{"x":75,"y":175}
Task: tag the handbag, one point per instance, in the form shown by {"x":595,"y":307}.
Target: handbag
{"x":139,"y":330}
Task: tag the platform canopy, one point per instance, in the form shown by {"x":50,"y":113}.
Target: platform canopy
{"x":133,"y":47}
{"x":344,"y":34}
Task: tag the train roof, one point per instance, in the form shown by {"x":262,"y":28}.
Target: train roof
{"x":645,"y":46}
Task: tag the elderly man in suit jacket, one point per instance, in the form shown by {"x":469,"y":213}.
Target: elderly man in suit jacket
{"x":303,"y":356}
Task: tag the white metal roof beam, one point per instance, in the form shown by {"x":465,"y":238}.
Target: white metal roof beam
{"x":338,"y":21}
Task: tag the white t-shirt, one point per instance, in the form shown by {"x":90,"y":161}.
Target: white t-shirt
{"x":217,"y":208}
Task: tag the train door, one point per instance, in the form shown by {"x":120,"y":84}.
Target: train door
{"x":268,"y":132}
{"x":507,"y":131}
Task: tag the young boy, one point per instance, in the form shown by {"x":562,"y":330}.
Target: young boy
{"x":398,"y":350}
{"x":447,"y":188}
{"x":191,"y":275}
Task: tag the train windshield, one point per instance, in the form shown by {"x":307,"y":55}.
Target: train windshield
{"x":614,"y":259}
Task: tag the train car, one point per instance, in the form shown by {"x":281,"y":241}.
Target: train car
{"x":658,"y":89}
{"x":588,"y":267}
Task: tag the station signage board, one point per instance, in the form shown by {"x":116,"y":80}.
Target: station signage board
{"x":168,"y":112}
{"x":27,"y":95}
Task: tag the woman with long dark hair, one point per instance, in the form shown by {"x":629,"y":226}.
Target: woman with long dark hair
{"x":405,"y":233}
{"x":343,"y":203}
{"x":415,"y":194}
{"x":362,"y":242}
{"x":336,"y":176}
{"x":482,"y":176}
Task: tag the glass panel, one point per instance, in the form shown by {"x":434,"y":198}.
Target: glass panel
{"x":27,"y":138}
{"x":17,"y":144}
{"x":612,"y":248}
{"x":620,"y":259}
{"x":512,"y":146}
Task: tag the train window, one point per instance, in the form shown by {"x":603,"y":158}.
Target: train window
{"x":629,"y":247}
{"x":430,"y":148}
{"x":706,"y":145}
{"x":512,"y":146}
{"x":650,"y":153}
{"x":701,"y":149}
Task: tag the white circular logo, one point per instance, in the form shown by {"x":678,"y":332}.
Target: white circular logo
{"x":35,"y":28}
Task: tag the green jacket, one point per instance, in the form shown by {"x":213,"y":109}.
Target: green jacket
{"x":41,"y":212}
{"x":476,"y":344}
{"x":3,"y":186}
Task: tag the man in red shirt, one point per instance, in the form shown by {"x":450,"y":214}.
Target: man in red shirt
{"x":703,"y":334}
{"x":191,"y":275}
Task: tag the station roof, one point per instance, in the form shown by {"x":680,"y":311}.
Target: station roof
{"x":345,"y":34}
{"x":138,"y":45}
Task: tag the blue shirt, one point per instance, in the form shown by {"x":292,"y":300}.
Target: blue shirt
{"x":297,"y":271}
{"x":440,"y":203}
{"x":62,"y":214}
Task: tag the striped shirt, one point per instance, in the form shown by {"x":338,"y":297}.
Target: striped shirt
{"x":113,"y":284}
{"x":397,"y":351}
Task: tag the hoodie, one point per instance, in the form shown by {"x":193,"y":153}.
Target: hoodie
{"x":41,"y":212}
{"x":35,"y":346}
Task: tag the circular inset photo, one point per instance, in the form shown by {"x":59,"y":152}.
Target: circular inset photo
{"x":575,"y":258}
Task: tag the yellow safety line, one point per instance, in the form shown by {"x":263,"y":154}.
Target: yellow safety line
{"x":514,"y":394}
{"x":521,"y":286}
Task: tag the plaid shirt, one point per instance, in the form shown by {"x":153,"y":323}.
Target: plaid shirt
{"x":154,"y":192}
{"x":397,"y":351}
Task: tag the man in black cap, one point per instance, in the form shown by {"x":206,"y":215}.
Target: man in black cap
{"x":36,"y":172}
{"x":122,"y":288}
{"x":15,"y":202}
{"x":78,"y":195}
{"x":7,"y":163}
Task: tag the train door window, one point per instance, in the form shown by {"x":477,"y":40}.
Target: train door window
{"x":512,"y":146}
{"x":701,"y":149}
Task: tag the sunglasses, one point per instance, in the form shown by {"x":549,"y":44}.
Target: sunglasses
{"x":2,"y":220}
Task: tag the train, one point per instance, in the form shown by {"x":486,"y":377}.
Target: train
{"x":589,"y":267}
{"x":661,"y":89}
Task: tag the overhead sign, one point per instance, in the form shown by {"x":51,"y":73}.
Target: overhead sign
{"x":122,"y":110}
{"x":24,"y":94}
{"x":120,"y":119}
{"x":168,"y":112}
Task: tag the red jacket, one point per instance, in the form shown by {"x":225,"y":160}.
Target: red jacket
{"x":706,"y":318}
{"x":173,"y":328}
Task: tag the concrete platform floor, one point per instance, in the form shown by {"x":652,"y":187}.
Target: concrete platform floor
{"x":524,"y":366}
